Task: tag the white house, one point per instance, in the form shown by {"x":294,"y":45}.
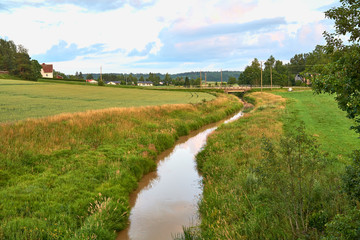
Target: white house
{"x":145,"y":83}
{"x":47,"y":71}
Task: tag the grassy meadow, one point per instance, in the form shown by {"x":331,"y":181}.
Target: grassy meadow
{"x":69,"y":176}
{"x":25,"y":99}
{"x":266,"y":177}
{"x":324,"y":120}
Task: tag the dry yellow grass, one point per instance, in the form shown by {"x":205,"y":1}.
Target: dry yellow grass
{"x":230,"y":152}
{"x":264,"y":121}
{"x":61,"y":131}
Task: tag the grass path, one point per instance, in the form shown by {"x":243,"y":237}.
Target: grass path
{"x":324,"y":120}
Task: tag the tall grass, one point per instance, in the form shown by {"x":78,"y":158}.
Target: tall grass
{"x":279,"y":188}
{"x":69,"y":176}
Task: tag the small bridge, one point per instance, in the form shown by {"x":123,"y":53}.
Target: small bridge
{"x":231,"y":89}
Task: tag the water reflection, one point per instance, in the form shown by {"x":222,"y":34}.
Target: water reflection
{"x":167,"y":199}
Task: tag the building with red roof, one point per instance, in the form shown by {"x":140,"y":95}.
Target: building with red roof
{"x":47,"y":70}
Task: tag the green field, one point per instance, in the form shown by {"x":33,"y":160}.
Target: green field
{"x":24,"y":99}
{"x":324,"y":120}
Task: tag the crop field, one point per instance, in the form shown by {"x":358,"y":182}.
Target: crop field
{"x":24,"y":99}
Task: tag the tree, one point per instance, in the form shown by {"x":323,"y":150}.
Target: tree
{"x":231,"y":80}
{"x":167,"y":79}
{"x":141,"y":79}
{"x":89,"y":76}
{"x":34,"y":73}
{"x":17,"y":61}
{"x":341,"y":76}
{"x":7,"y":55}
{"x":60,"y":74}
{"x":251,"y":74}
{"x":298,"y":63}
{"x":154,"y":78}
{"x":289,"y":171}
{"x":346,"y":18}
{"x":187,"y":82}
{"x":270,"y":63}
{"x":132,"y":79}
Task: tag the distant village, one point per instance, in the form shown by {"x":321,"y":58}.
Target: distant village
{"x":47,"y":71}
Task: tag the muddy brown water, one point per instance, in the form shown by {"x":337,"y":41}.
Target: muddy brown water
{"x":166,"y":199}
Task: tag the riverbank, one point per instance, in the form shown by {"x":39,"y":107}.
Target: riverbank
{"x":173,"y":190}
{"x":265,"y":177}
{"x":70,"y":176}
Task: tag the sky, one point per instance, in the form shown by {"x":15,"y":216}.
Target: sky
{"x":163,"y":36}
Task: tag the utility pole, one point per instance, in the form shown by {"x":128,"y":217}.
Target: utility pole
{"x":200,"y":79}
{"x":271,"y":77}
{"x":205,"y":79}
{"x":221,"y":77}
{"x":101,"y":73}
{"x":261,"y":75}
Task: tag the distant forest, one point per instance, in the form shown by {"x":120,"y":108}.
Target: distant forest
{"x":210,"y":76}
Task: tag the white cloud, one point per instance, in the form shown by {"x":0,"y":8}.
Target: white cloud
{"x":157,"y":28}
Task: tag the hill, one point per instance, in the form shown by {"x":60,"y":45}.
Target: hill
{"x":214,"y":76}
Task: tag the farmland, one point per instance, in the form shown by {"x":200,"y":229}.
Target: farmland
{"x":69,"y":176}
{"x":25,"y":99}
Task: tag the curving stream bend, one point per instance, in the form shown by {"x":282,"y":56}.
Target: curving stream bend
{"x":166,"y":199}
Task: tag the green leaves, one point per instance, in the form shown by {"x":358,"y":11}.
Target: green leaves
{"x":346,"y":18}
{"x":341,"y":77}
{"x":290,"y":170}
{"x":16,"y":60}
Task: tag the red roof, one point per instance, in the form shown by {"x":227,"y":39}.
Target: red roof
{"x":48,"y":68}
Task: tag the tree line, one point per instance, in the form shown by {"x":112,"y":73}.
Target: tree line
{"x":305,"y":66}
{"x":16,"y":60}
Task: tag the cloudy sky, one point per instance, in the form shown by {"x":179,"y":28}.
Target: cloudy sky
{"x":172,"y":36}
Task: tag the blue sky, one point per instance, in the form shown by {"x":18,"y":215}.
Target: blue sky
{"x":142,"y":36}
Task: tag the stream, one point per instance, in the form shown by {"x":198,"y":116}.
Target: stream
{"x":166,"y":199}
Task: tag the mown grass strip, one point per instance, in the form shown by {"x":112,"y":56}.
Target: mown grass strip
{"x":324,"y":120}
{"x":69,"y":176}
